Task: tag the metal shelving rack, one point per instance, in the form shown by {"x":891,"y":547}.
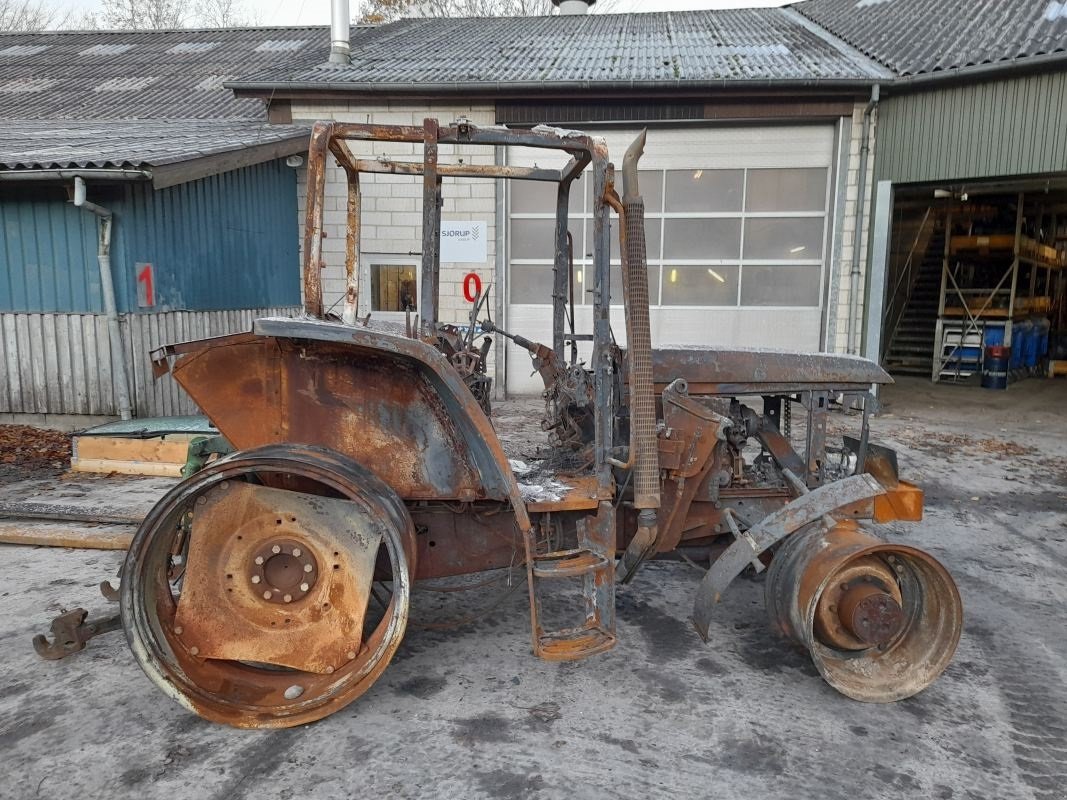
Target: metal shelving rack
{"x":964,"y":312}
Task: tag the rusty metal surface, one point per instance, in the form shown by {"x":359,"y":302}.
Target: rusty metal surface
{"x":71,"y":631}
{"x":277,"y":577}
{"x":803,"y":511}
{"x":242,"y":693}
{"x":720,"y":371}
{"x":394,"y":403}
{"x":913,"y":623}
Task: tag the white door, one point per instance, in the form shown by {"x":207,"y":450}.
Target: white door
{"x":737,"y":227}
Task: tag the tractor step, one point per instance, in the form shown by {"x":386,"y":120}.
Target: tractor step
{"x":568,"y":563}
{"x":571,"y":644}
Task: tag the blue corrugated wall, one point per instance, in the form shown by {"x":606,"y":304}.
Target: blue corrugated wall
{"x":48,"y":258}
{"x":228,"y":241}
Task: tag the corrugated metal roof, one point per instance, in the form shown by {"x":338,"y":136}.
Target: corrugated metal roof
{"x":654,"y":49}
{"x":145,"y":74}
{"x":130,"y":144}
{"x":914,"y":37}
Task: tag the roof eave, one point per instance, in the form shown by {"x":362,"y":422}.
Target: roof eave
{"x":167,"y":172}
{"x":498,"y":88}
{"x":992,"y":69}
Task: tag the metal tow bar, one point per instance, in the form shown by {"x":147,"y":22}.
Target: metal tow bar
{"x":71,"y":632}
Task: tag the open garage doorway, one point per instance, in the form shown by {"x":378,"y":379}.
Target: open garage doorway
{"x":976,"y":277}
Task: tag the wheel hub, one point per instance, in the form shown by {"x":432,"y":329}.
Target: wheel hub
{"x":283,"y":571}
{"x":277,"y":577}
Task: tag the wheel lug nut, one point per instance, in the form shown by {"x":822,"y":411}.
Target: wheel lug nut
{"x":351,"y":655}
{"x":194,"y":651}
{"x":276,"y":549}
{"x":255,"y":579}
{"x":259,"y":559}
{"x":178,"y":629}
{"x":288,"y":598}
{"x":329,"y":670}
{"x":296,"y":552}
{"x":266,"y":595}
{"x":304,"y":587}
{"x":308,"y":568}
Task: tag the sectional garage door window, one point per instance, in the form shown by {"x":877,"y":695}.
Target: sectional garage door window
{"x":740,"y":221}
{"x":747,"y":237}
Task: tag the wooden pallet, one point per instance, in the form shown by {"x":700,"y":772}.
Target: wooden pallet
{"x":163,"y":456}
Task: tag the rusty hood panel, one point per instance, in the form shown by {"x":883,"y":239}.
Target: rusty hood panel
{"x":714,"y":370}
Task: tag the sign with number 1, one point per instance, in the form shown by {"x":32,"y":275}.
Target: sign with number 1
{"x":146,"y":290}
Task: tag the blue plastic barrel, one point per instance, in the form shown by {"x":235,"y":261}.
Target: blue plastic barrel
{"x":994,"y":335}
{"x":1019,"y":333}
{"x":1031,"y":339}
{"x":1041,"y":329}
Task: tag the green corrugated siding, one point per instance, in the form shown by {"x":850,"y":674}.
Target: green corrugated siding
{"x":995,"y":129}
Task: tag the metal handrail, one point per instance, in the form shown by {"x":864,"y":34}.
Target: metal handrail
{"x":896,"y":305}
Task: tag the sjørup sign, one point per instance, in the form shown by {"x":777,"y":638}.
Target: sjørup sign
{"x":464,"y":242}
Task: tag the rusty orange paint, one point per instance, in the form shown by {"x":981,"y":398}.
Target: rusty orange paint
{"x":901,"y":503}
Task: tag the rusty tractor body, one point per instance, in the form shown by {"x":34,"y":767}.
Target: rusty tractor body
{"x":273,"y":586}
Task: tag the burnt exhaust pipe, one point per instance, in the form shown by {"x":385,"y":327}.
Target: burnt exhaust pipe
{"x":881,"y":620}
{"x":643,"y":444}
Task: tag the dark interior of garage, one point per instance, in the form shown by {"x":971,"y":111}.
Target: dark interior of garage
{"x":976,"y":283}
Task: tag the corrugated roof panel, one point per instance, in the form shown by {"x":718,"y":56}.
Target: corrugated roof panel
{"x":666,"y":47}
{"x":125,"y":84}
{"x":914,"y":37}
{"x":72,"y":144}
{"x":178,"y":60}
{"x":193,"y":47}
{"x":106,"y":49}
{"x":23,"y":49}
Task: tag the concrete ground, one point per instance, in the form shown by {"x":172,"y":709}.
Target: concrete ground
{"x":472,"y":714}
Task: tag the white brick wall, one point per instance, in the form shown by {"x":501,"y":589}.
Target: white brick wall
{"x":846,"y":228}
{"x":392,"y":215}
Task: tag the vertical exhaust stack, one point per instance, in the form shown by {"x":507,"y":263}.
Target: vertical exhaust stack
{"x":569,"y":8}
{"x":643,"y":444}
{"x":340,"y":18}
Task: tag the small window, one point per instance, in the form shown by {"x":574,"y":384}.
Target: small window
{"x":539,"y":197}
{"x":700,"y":286}
{"x":793,"y":285}
{"x":649,"y":183}
{"x":704,"y":190}
{"x":786,"y":190}
{"x":532,"y":283}
{"x":536,"y":239}
{"x":787,"y":238}
{"x":393,"y":287}
{"x":702,"y":238}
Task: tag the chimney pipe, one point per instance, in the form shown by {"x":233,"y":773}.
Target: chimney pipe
{"x":573,"y":7}
{"x":340,"y":18}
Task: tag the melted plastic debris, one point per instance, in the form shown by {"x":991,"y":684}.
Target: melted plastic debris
{"x":546,"y":490}
{"x":520,"y":467}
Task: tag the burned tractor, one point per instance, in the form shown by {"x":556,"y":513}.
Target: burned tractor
{"x":272,"y":587}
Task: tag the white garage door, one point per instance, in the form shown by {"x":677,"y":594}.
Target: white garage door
{"x":737,"y":233}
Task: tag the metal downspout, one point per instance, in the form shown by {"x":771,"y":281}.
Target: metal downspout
{"x":861,"y":203}
{"x":107,"y":284}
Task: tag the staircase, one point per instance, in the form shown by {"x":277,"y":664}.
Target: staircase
{"x":591,"y":562}
{"x":911,"y":348}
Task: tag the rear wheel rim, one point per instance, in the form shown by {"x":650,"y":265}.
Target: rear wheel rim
{"x":251,"y":695}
